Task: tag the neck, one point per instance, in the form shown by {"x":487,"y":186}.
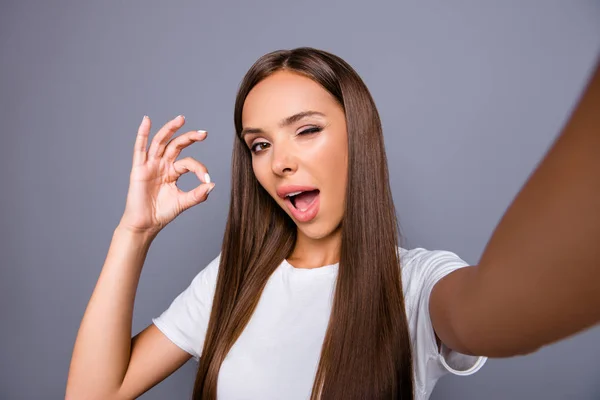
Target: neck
{"x":314,"y":253}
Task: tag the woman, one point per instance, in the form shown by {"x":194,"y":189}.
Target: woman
{"x":311,"y":295}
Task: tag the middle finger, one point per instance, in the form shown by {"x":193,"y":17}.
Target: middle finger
{"x":179,"y":143}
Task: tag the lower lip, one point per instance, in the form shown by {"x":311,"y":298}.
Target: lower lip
{"x":307,"y":215}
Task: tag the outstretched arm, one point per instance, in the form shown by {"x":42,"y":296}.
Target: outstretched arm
{"x":538,"y":280}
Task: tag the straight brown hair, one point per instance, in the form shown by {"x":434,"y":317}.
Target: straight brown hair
{"x":366,"y":353}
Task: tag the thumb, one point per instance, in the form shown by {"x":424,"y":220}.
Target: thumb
{"x":197,"y":195}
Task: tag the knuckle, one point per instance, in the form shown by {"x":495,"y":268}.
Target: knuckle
{"x":178,"y":142}
{"x":200,"y":196}
{"x":172,"y":149}
{"x":193,"y":162}
{"x":168,"y":153}
{"x":174,"y":124}
{"x":155,"y":141}
{"x":181,"y":142}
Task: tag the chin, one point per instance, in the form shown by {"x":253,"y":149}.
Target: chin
{"x":313,"y":233}
{"x":316,"y":231}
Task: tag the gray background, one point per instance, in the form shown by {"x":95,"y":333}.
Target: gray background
{"x":471,"y":95}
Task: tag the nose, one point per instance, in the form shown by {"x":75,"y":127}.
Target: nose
{"x":283,"y":161}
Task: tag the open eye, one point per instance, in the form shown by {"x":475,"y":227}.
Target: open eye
{"x":262,"y":147}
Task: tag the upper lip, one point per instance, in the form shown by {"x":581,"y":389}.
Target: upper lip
{"x":283,"y":191}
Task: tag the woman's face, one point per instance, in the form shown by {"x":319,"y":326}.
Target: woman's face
{"x":297,"y":134}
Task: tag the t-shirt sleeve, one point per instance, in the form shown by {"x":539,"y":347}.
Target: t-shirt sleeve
{"x":185,"y":321}
{"x":424,"y":268}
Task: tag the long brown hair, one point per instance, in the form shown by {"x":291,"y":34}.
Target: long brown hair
{"x":366,"y":352}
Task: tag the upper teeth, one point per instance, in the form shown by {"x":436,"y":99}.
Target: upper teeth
{"x":293,"y":194}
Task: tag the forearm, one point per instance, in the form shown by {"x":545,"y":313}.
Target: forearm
{"x":102,"y":348}
{"x":538,"y":279}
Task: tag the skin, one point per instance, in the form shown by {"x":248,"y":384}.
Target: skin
{"x":537,"y":279}
{"x":536,"y":282}
{"x":547,"y":273}
{"x":299,"y":154}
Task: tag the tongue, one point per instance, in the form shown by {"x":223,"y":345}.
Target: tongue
{"x":304,"y":199}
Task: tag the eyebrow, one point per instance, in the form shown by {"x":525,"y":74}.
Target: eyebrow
{"x":284,"y":122}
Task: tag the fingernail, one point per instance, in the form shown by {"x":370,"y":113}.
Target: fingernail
{"x":210,"y":188}
{"x":182,"y":116}
{"x":144,"y":118}
{"x":201,"y":131}
{"x":206,"y":178}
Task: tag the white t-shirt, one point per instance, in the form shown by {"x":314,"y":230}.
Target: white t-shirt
{"x":277,"y":354}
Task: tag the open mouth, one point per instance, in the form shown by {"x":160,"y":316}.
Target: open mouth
{"x":303,"y":200}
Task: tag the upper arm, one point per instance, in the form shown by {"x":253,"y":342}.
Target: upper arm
{"x":153,"y":358}
{"x":426,"y":275}
{"x":173,"y":337}
{"x":465,"y":311}
{"x":448,"y":298}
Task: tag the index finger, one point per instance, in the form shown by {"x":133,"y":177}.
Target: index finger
{"x":141,"y":141}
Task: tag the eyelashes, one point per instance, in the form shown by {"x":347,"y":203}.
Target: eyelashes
{"x":314,"y":129}
{"x":264,"y":145}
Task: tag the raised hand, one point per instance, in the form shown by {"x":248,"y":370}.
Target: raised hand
{"x":153,"y":198}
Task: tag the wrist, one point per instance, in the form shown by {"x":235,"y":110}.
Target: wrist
{"x":135,"y":234}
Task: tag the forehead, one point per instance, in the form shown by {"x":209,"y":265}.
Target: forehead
{"x":283,"y":94}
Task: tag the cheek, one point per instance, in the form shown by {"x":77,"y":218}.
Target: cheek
{"x":258,"y":172}
{"x":262,"y":174}
{"x":332,"y":160}
{"x":331,"y":168}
